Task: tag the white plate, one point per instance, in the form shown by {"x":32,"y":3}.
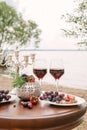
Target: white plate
{"x":78,"y":99}
{"x":13,"y":97}
{"x":13,"y":91}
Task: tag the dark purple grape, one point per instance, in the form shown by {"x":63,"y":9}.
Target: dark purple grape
{"x":7,"y":97}
{"x":54,"y":99}
{"x":51,"y":92}
{"x":56,"y":93}
{"x":46,"y":93}
{"x":25,"y":104}
{"x":49,"y":97}
{"x":1,"y":91}
{"x":24,"y":76}
{"x":6,"y":91}
{"x":53,"y":95}
{"x":1,"y":98}
{"x":41,"y":97}
{"x":45,"y":96}
{"x":61,"y":95}
{"x":59,"y":99}
{"x":4,"y":95}
{"x":30,"y":106}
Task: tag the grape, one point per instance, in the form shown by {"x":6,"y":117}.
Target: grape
{"x":52,"y":96}
{"x":1,"y":91}
{"x":61,"y":95}
{"x":54,"y":99}
{"x":1,"y":98}
{"x":25,"y":104}
{"x":30,"y":105}
{"x":41,"y":97}
{"x":49,"y":97}
{"x":24,"y":77}
{"x":56,"y":93}
{"x":7,"y":97}
{"x":4,"y":95}
{"x":6,"y":91}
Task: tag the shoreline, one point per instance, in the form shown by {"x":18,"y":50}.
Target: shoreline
{"x":46,"y":83}
{"x":68,"y":86}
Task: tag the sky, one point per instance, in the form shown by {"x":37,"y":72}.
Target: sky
{"x":47,"y":14}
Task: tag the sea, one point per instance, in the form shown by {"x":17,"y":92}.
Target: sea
{"x":75,"y":65}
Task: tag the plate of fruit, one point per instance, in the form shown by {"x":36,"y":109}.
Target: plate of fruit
{"x":60,"y":98}
{"x":5,"y":96}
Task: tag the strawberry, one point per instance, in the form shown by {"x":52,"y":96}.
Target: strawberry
{"x":31,"y":78}
{"x":34,"y":100}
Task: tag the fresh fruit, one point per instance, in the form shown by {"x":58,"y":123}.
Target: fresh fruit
{"x":28,"y":78}
{"x":31,"y":78}
{"x":30,"y":105}
{"x":25,"y":77}
{"x":4,"y":95}
{"x":57,"y":97}
{"x":34,"y":100}
{"x":20,"y":80}
{"x":70,"y":98}
{"x":25,"y":104}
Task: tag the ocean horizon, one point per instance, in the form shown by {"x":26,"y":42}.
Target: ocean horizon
{"x":75,"y":65}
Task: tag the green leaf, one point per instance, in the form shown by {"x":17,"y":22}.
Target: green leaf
{"x":18,"y":81}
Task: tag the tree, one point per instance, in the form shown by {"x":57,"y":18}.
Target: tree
{"x":77,"y":22}
{"x":26,"y":32}
{"x":14,"y":29}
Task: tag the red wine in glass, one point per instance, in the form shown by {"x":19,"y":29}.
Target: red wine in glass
{"x":40,"y":73}
{"x":40,"y":69}
{"x":56,"y":70}
{"x":57,"y":73}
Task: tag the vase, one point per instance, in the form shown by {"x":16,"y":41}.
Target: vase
{"x":28,"y":89}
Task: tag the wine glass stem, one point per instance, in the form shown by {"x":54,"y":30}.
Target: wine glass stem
{"x":57,"y":84}
{"x":40,"y":82}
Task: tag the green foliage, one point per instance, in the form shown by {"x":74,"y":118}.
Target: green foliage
{"x":77,"y":22}
{"x":18,"y":80}
{"x":8,"y":17}
{"x":26,"y":32}
{"x":14,"y":29}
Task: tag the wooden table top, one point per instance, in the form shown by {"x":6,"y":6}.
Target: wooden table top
{"x":13,"y":116}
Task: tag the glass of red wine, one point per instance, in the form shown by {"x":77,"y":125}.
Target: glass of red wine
{"x":56,"y":70}
{"x":40,"y":69}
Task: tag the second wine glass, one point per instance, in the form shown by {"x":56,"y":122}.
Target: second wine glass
{"x":40,"y":69}
{"x":56,"y":70}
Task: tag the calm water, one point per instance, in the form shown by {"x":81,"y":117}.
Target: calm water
{"x":75,"y":63}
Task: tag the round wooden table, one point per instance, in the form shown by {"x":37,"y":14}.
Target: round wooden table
{"x":13,"y":116}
